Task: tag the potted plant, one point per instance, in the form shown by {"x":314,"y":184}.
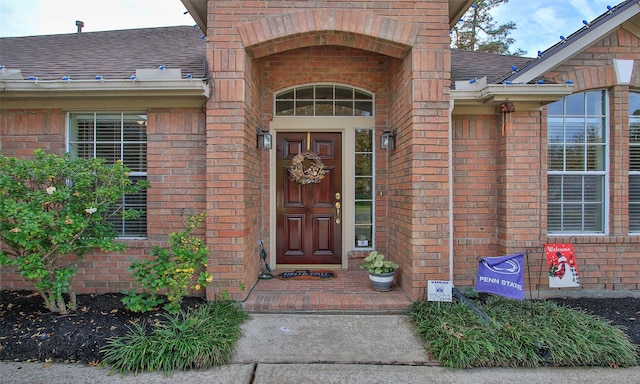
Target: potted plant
{"x":381,"y":272}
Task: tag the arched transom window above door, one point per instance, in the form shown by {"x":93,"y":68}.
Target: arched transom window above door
{"x":324,"y":100}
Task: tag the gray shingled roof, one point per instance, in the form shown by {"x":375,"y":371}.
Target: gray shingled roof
{"x":466,"y":65}
{"x":112,"y":54}
{"x":117,"y":55}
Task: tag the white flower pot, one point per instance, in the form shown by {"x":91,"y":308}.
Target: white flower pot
{"x":382,"y":282}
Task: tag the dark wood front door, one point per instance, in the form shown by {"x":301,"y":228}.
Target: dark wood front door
{"x":308,"y":217}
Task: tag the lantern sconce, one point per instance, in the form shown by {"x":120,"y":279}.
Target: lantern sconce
{"x":388,"y":139}
{"x":264,"y":138}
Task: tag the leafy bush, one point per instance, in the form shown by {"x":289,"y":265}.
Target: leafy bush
{"x":197,"y":339}
{"x":172,"y":270}
{"x":520,"y":334}
{"x":376,"y":264}
{"x":52,"y":206}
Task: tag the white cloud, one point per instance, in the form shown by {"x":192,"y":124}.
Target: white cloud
{"x":42,"y":17}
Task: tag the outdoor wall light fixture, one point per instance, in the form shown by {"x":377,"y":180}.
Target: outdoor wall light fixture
{"x":264,"y":139}
{"x":388,"y":139}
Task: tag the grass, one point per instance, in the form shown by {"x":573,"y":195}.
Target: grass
{"x":196,"y":339}
{"x":519,"y":334}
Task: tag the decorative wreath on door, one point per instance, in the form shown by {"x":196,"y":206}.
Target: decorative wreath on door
{"x":312,"y":175}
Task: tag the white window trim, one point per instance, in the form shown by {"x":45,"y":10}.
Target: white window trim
{"x":606,"y":173}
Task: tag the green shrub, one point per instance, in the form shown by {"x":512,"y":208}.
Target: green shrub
{"x":52,"y":206}
{"x":198,"y":339}
{"x":520,"y":334}
{"x":175,"y":270}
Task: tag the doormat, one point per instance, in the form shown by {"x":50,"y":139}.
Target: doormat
{"x":307,"y":274}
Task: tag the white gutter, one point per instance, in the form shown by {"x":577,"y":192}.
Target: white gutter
{"x":35,"y":88}
{"x":513,"y":92}
{"x":450,"y":176}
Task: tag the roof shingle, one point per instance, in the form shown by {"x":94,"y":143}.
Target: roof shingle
{"x":112,"y":54}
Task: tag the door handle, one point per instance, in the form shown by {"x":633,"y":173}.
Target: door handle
{"x":337,"y":205}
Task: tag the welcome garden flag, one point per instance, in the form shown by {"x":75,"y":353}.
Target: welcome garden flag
{"x":502,"y":275}
{"x":563,"y":270}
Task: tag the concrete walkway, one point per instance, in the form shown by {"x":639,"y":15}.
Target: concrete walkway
{"x":303,"y":348}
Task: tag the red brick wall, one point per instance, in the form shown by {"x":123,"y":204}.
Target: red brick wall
{"x":514,"y":168}
{"x":475,"y":199}
{"x":175,"y":155}
{"x":24,"y":131}
{"x":421,"y":99}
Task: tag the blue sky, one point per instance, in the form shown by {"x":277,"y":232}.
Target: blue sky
{"x":539,"y":22}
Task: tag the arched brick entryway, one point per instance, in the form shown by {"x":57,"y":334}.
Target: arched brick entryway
{"x":350,"y":28}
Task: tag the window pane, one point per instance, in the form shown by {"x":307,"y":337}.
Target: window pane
{"x":324,"y":92}
{"x":554,"y":218}
{"x":575,"y":104}
{"x":634,"y":203}
{"x":364,"y":140}
{"x":364,"y":188}
{"x":592,"y":218}
{"x":554,"y":186}
{"x":289,"y":95}
{"x":574,"y":130}
{"x":572,"y":188}
{"x":634,"y":158}
{"x":595,"y":158}
{"x":364,"y":236}
{"x":556,"y":157}
{"x":575,"y":158}
{"x":344,"y":93}
{"x":134,"y":156}
{"x":108,"y":151}
{"x":595,"y":130}
{"x":556,"y":130}
{"x":344,"y":108}
{"x":284,"y":108}
{"x":364,"y":108}
{"x":304,"y":108}
{"x":305,"y":92}
{"x":364,"y":212}
{"x":595,"y":103}
{"x":360,"y":95}
{"x":634,"y":132}
{"x":364,"y":164}
{"x":324,"y":108}
{"x":556,"y":108}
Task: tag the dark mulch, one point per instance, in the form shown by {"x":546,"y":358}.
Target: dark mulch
{"x":29,"y":332}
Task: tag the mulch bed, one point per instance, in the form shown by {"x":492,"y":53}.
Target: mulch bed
{"x":29,"y":332}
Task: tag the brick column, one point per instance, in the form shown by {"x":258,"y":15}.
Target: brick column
{"x":521,"y":182}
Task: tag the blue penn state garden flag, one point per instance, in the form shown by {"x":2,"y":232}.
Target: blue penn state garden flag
{"x":502,"y":275}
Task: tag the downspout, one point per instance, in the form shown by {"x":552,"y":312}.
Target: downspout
{"x":451,"y":103}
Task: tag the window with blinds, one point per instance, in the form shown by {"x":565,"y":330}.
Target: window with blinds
{"x":113,"y":137}
{"x":577,"y":164}
{"x":634,"y":162}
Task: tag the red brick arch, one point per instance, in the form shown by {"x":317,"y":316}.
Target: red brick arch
{"x":350,"y":28}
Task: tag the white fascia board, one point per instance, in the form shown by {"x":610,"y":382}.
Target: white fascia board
{"x":522,"y":92}
{"x":576,"y":46}
{"x":189,"y":87}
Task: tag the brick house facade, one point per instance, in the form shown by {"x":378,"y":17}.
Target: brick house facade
{"x":464,"y":180}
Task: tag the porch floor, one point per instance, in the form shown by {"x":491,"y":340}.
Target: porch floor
{"x":349,"y":292}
